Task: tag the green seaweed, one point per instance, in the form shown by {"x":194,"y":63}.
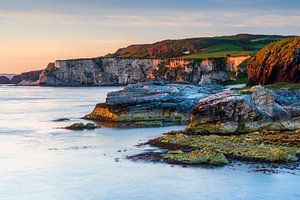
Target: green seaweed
{"x":267,"y":146}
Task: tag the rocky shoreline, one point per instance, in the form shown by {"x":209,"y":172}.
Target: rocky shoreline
{"x":211,"y":139}
{"x":248,"y":110}
{"x":151,"y":104}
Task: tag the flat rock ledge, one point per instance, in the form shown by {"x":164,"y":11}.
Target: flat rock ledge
{"x":151,"y":104}
{"x":244,"y":111}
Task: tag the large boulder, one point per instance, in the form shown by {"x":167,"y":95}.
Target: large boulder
{"x":257,"y":108}
{"x":277,"y":62}
{"x":151,"y":102}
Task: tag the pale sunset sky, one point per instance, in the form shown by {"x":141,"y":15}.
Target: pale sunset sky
{"x":36,"y":32}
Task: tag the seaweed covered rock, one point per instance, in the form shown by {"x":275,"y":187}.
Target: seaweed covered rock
{"x":81,"y":126}
{"x":151,"y":102}
{"x":254,"y":109}
{"x":277,"y":62}
{"x":264,"y":146}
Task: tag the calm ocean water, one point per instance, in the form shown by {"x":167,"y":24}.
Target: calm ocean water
{"x":40,"y":162}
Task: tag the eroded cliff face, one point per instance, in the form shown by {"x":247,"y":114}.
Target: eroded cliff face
{"x":96,"y":72}
{"x":237,"y":66}
{"x":205,"y":71}
{"x":117,"y":71}
{"x":277,"y":62}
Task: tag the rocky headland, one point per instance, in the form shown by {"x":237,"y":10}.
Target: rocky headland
{"x":25,"y":78}
{"x":196,"y":61}
{"x":5,"y":80}
{"x":277,"y":62}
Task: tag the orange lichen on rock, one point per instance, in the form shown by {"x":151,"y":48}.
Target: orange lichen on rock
{"x":103,"y":112}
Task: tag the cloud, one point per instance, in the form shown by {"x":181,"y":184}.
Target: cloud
{"x":62,"y":19}
{"x":40,"y":17}
{"x":152,"y":19}
{"x":270,"y":20}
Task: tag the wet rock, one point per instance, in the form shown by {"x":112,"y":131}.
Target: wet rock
{"x":61,"y":120}
{"x":82,"y":126}
{"x":250,"y":110}
{"x":155,"y":103}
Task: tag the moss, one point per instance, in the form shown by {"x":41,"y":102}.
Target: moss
{"x":281,"y":85}
{"x":81,"y":126}
{"x":235,"y":82}
{"x":90,"y":126}
{"x":196,"y":157}
{"x":149,"y":123}
{"x":267,"y":146}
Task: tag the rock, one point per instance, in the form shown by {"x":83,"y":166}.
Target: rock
{"x":277,"y":62}
{"x":251,"y":110}
{"x":105,"y":71}
{"x":61,"y":120}
{"x":179,"y":147}
{"x":81,"y":126}
{"x":157,"y":102}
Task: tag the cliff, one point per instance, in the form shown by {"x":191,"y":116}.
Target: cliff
{"x":96,"y":72}
{"x":117,"y":71}
{"x":26,"y":78}
{"x":277,"y":62}
{"x":4,"y":80}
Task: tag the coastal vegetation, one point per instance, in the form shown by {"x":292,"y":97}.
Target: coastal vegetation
{"x":205,"y":47}
{"x":264,"y":146}
{"x":277,"y":62}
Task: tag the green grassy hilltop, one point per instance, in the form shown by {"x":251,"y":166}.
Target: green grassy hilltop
{"x":203,"y":47}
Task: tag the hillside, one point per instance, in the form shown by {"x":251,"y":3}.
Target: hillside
{"x":277,"y":62}
{"x":204,"y":47}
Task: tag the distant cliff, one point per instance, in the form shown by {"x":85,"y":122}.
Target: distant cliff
{"x":26,"y":78}
{"x":117,"y":71}
{"x":277,"y":62}
{"x":96,"y":72}
{"x":4,"y":80}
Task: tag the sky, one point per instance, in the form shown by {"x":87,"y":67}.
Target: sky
{"x":36,"y":32}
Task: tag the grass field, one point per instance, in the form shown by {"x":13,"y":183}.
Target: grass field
{"x":219,"y":54}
